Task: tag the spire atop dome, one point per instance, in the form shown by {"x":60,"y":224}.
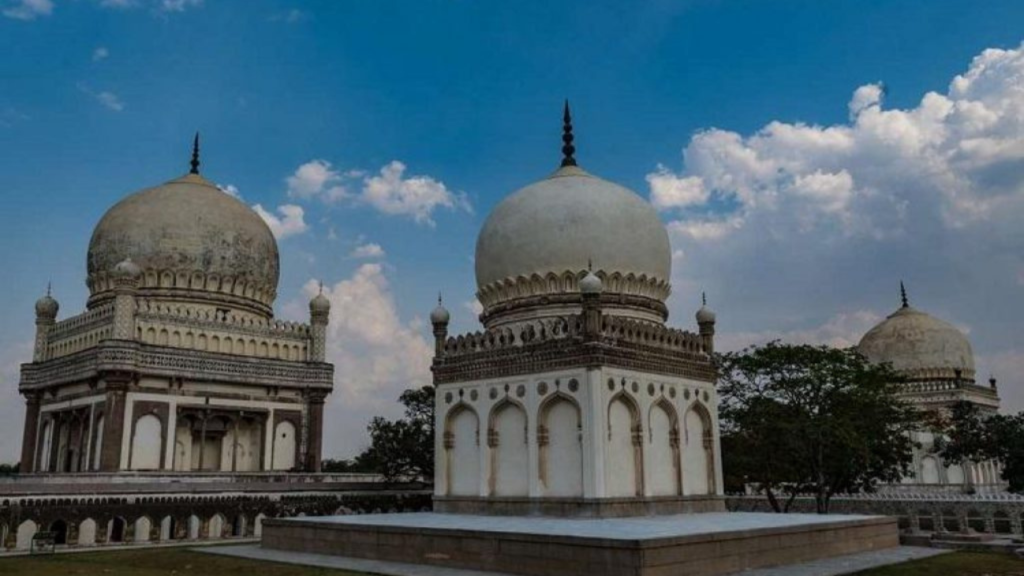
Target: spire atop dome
{"x":195,"y":155}
{"x":568,"y":150}
{"x":903,"y":295}
{"x":703,"y":298}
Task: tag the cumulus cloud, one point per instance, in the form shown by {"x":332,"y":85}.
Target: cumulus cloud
{"x":797,"y":221}
{"x":417,"y":196}
{"x":28,"y":9}
{"x":389,"y":191}
{"x":316,"y":179}
{"x":100,"y":53}
{"x":289,"y":220}
{"x":368,"y":250}
{"x":376,"y":356}
{"x":230,"y":190}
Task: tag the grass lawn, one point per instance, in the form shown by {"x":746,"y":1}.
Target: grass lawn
{"x":955,"y":564}
{"x":181,"y":561}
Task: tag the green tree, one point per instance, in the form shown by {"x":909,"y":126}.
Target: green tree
{"x":404,"y":449}
{"x":970,"y":436}
{"x":801,"y":418}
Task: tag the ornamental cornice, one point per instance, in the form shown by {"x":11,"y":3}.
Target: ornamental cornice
{"x":641,"y":291}
{"x":207,"y":320}
{"x":194,"y":285}
{"x":118,"y":356}
{"x":570,"y":353}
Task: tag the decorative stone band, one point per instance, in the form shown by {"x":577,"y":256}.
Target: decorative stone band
{"x":625,"y":289}
{"x":198,"y":317}
{"x":194,"y":285}
{"x":931,"y":374}
{"x":133,"y":357}
{"x":614,"y":330}
{"x":83,"y":323}
{"x":543,"y":355}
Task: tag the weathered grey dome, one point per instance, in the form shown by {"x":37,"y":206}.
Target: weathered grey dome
{"x":919,"y":346}
{"x":537,"y":243}
{"x":192,"y":242}
{"x":47,"y":306}
{"x":320,"y":303}
{"x":705,"y":315}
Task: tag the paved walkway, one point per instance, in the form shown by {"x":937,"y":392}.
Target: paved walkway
{"x":830,"y":567}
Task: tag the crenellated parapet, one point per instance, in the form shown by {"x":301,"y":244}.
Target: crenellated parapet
{"x":79,"y":332}
{"x":561,"y":342}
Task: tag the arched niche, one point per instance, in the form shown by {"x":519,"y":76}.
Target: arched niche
{"x":624,"y":448}
{"x":663,"y":454}
{"x":462,"y":450}
{"x":698,"y":452}
{"x":285,"y":446}
{"x":147,"y":443}
{"x":560,"y":444}
{"x":506,"y":437}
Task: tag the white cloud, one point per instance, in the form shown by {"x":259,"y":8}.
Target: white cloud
{"x":100,"y":53}
{"x":178,"y":5}
{"x":376,"y":356}
{"x":389,"y":191}
{"x":368,"y":250}
{"x":474,"y":307}
{"x":316,"y":179}
{"x":230,"y":190}
{"x":290,"y":222}
{"x":28,"y":9}
{"x":842,"y":330}
{"x":105,"y":98}
{"x":417,"y":196}
{"x":789,"y":224}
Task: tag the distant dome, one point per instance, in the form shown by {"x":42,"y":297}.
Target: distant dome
{"x":537,"y":244}
{"x":192,"y":242}
{"x":320,"y":303}
{"x":591,"y":284}
{"x":47,"y":306}
{"x":705,"y":315}
{"x":919,"y":346}
{"x":440,"y":314}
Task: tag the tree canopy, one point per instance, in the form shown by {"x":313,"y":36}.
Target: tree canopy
{"x":801,"y":418}
{"x":971,"y":436}
{"x":403,"y":449}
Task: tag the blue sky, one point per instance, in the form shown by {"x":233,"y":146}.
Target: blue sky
{"x":799,"y":229}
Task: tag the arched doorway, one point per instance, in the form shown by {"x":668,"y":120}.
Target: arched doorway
{"x":506,"y":438}
{"x":59,"y":529}
{"x":117,"y":526}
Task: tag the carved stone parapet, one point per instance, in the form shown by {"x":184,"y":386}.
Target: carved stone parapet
{"x":114,"y":356}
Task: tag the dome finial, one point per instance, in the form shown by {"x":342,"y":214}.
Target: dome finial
{"x":195,"y":155}
{"x":48,"y":286}
{"x":703,"y":298}
{"x":903,"y":295}
{"x":567,"y":148}
{"x":439,"y":300}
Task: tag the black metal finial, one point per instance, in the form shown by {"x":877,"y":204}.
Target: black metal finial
{"x":903,"y":295}
{"x":48,"y":284}
{"x":567,"y":148}
{"x":439,"y":298}
{"x":590,"y":263}
{"x":703,"y":298}
{"x":195,"y":155}
{"x":321,"y":287}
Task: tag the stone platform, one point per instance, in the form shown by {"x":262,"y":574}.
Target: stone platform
{"x":698,"y":544}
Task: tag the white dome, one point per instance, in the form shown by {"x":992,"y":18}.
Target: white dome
{"x":919,"y":346}
{"x":541,"y":239}
{"x":191,"y":242}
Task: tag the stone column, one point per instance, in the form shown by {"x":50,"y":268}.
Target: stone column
{"x":46,"y":317}
{"x":319,"y":317}
{"x":113,"y":420}
{"x":316,"y":431}
{"x":126,"y":277}
{"x":28,"y":438}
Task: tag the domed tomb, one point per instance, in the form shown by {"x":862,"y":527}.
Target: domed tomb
{"x":192,"y":242}
{"x":539,"y":242}
{"x":919,"y":346}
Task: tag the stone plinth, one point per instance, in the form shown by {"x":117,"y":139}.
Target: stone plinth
{"x":702,"y":544}
{"x":579,"y":507}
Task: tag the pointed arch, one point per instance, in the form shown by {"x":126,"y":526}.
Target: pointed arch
{"x":507,"y":429}
{"x":698,"y":452}
{"x":663,"y":437}
{"x":560,"y":440}
{"x":624,"y":448}
{"x":462,"y":450}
